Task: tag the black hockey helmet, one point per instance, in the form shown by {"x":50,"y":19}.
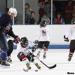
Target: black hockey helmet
{"x":24,"y":41}
{"x":43,"y":23}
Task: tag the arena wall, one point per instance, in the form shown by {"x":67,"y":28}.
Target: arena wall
{"x":56,"y":33}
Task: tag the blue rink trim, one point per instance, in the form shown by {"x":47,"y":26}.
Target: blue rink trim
{"x":58,"y":47}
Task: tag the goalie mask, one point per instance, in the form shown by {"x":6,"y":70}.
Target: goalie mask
{"x":24,"y":42}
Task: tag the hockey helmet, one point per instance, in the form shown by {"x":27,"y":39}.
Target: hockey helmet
{"x":43,"y":23}
{"x":13,"y":11}
{"x":24,"y":41}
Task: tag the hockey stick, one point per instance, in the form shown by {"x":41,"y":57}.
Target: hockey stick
{"x":49,"y":67}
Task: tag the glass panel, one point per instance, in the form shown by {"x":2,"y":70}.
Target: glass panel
{"x":9,"y":3}
{"x":31,"y":12}
{"x":34,"y":11}
{"x":64,"y":11}
{"x":18,"y":4}
{"x":37,"y":10}
{"x":2,"y":7}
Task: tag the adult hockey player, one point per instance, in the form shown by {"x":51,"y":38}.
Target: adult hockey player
{"x":43,"y":38}
{"x":6,"y":28}
{"x":12,"y":44}
{"x":25,"y":54}
{"x":70,"y":36}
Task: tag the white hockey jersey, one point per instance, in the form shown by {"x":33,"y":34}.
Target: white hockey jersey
{"x":71,"y":33}
{"x":44,"y":34}
{"x":27,"y":49}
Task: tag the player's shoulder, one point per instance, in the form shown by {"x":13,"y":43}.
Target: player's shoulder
{"x":5,"y":16}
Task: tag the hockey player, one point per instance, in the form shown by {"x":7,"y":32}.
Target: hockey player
{"x":6,"y":28}
{"x":26,"y":55}
{"x":12,"y":44}
{"x":70,"y":36}
{"x":43,"y":39}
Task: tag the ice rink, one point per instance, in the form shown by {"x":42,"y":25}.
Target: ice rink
{"x":54,"y":56}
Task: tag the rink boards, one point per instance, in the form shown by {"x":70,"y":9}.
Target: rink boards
{"x":56,"y":33}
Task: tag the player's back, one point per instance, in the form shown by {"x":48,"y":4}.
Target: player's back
{"x":44,"y":34}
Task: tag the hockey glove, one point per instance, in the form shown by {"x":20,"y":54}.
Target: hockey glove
{"x":17,"y":39}
{"x":21,"y":56}
{"x":66,"y":39}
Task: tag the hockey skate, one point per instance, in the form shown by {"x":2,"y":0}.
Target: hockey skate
{"x":28,"y":66}
{"x":4,"y":63}
{"x":9,"y":60}
{"x":36,"y":64}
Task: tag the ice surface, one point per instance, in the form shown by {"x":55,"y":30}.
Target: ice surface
{"x":58,"y":57}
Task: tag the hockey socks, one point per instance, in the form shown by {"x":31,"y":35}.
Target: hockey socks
{"x":44,"y":55}
{"x":28,"y":66}
{"x":36,"y":64}
{"x":70,"y":56}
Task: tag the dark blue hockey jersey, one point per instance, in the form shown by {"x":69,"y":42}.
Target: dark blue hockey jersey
{"x":6,"y":20}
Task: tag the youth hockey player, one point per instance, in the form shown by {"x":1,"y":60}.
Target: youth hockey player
{"x":43,"y":39}
{"x":6,"y":28}
{"x":26,"y":55}
{"x":70,"y":36}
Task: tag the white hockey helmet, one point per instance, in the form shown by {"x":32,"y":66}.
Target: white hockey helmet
{"x":13,"y":11}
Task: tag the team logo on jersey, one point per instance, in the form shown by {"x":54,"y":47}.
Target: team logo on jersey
{"x":43,"y":33}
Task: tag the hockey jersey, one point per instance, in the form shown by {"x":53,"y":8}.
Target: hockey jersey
{"x":71,"y":33}
{"x":27,"y":49}
{"x":44,"y":36}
